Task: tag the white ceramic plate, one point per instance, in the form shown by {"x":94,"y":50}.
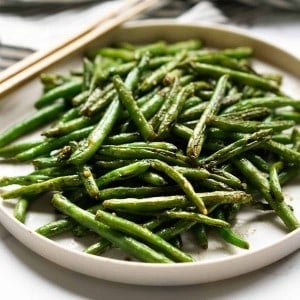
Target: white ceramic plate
{"x":268,"y":239}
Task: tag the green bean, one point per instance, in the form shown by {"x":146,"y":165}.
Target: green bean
{"x":288,"y":115}
{"x":153,"y":179}
{"x":51,"y":81}
{"x":231,"y":99}
{"x":54,"y":171}
{"x":128,"y":244}
{"x":215,"y":185}
{"x":249,"y":114}
{"x":52,"y":144}
{"x":103,"y":244}
{"x":158,"y":117}
{"x":194,"y":112}
{"x":114,"y":164}
{"x":137,"y":192}
{"x":269,"y":102}
{"x":161,"y":72}
{"x":145,"y":98}
{"x":29,"y":124}
{"x":238,"y":53}
{"x":274,"y":181}
{"x":237,"y":147}
{"x":122,"y":138}
{"x":179,"y":227}
{"x":228,"y":181}
{"x":70,"y":126}
{"x":196,"y":217}
{"x":252,"y":92}
{"x":102,"y":102}
{"x":114,"y":53}
{"x":214,"y":145}
{"x":179,"y":201}
{"x":258,"y":180}
{"x":150,"y":108}
{"x":92,"y":98}
{"x":217,"y":134}
{"x":133,"y":76}
{"x":88,"y":69}
{"x":206,"y":95}
{"x":247,"y":126}
{"x":161,"y":48}
{"x":101,"y":70}
{"x":282,"y":138}
{"x":56,"y":228}
{"x":182,"y":131}
{"x":80,"y":98}
{"x":20,"y":209}
{"x":119,"y":69}
{"x":239,"y":77}
{"x":229,"y":236}
{"x":156,"y":62}
{"x":192,"y":173}
{"x":147,"y":204}
{"x":68,"y":89}
{"x":22,"y":180}
{"x":89,"y":182}
{"x":254,"y":176}
{"x":135,"y":113}
{"x":259,"y":162}
{"x":98,"y":135}
{"x":54,"y":184}
{"x":221,"y":60}
{"x":184,"y":184}
{"x":154,"y":223}
{"x":232,"y":179}
{"x":283,"y":151}
{"x":157,"y":48}
{"x":155,"y":145}
{"x":186,"y":79}
{"x":176,"y":106}
{"x":185,"y":45}
{"x":68,"y":115}
{"x":122,"y":173}
{"x":65,"y":225}
{"x":144,"y":153}
{"x":192,"y":101}
{"x":191,"y":124}
{"x":48,"y":162}
{"x":14,"y":149}
{"x":142,"y":233}
{"x":197,"y":139}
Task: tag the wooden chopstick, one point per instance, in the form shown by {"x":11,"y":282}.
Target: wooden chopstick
{"x":73,"y":44}
{"x":33,"y":58}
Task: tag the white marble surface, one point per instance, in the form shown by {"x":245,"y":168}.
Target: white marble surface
{"x":25,"y":275}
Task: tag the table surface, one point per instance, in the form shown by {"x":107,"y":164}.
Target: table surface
{"x":26,"y":275}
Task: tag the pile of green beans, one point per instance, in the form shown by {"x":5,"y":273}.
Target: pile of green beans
{"x":152,"y":142}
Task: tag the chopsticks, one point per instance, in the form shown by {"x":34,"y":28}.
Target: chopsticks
{"x":39,"y":61}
